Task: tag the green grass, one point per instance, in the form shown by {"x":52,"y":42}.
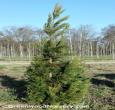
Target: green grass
{"x":6,"y":95}
{"x":18,"y":58}
{"x":2,"y":67}
{"x":95,"y":58}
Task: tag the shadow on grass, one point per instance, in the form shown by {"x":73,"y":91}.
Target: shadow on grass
{"x":104,"y":79}
{"x":110,"y":76}
{"x":18,"y":85}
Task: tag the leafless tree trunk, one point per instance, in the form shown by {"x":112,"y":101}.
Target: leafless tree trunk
{"x":29,"y":51}
{"x":71,"y":48}
{"x":91,"y":49}
{"x":113,"y":51}
{"x":21,"y":51}
{"x":80,"y":45}
{"x":97,"y":50}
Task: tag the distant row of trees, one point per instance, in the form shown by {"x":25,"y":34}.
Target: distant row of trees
{"x":19,"y":41}
{"x":84,"y":42}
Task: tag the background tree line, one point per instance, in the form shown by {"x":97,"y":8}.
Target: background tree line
{"x":25,"y":42}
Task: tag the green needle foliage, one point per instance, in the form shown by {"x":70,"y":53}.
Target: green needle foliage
{"x":52,"y":78}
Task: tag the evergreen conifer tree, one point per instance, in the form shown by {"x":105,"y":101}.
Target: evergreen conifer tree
{"x":51,"y":77}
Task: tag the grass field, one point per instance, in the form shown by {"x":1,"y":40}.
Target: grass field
{"x":94,"y":57}
{"x":102,"y":86}
{"x":101,"y":92}
{"x":26,"y":58}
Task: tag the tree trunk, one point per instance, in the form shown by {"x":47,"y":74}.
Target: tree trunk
{"x":71,"y":48}
{"x":97,"y":50}
{"x":113,"y":53}
{"x":91,"y":49}
{"x":21,"y":51}
{"x":80,"y":46}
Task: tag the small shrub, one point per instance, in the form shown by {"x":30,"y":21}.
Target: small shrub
{"x":6,"y":95}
